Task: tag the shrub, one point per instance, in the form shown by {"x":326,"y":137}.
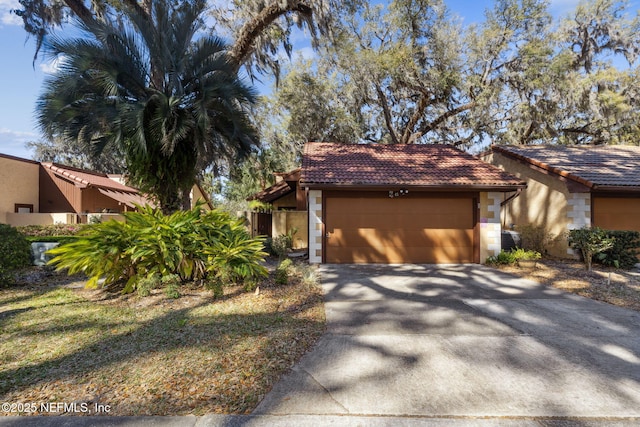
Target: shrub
{"x":171,"y":285}
{"x":282,"y":272}
{"x":15,"y":252}
{"x":590,"y":242}
{"x":623,"y":253}
{"x":534,"y":237}
{"x":192,"y":245}
{"x":513,"y":256}
{"x":50,"y":230}
{"x":280,"y":245}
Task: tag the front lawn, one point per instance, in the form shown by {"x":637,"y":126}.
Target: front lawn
{"x":152,"y":355}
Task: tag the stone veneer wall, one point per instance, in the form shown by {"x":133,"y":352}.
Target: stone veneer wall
{"x":578,"y":214}
{"x":315,"y":226}
{"x":490,"y":225}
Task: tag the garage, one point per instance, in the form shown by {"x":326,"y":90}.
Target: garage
{"x":402,"y":203}
{"x":413,"y":228}
{"x":616,"y":212}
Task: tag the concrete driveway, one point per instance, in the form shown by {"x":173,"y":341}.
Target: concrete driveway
{"x":462,"y":341}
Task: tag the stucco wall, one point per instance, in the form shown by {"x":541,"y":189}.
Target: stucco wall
{"x":315,"y":226}
{"x":543,"y":203}
{"x":490,"y":226}
{"x":20,"y":219}
{"x":19,"y":185}
{"x":284,"y":222}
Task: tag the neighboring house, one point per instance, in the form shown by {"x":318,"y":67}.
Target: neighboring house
{"x":35,"y":193}
{"x":82,"y":192}
{"x":289,"y":209}
{"x":571,"y":187}
{"x":19,"y":188}
{"x":402,"y":204}
{"x":285,"y":194}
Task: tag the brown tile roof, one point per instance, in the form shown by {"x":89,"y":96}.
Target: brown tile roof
{"x":414,"y":165}
{"x":594,"y":166}
{"x":280,"y":189}
{"x":107,"y":186}
{"x":84,"y":178}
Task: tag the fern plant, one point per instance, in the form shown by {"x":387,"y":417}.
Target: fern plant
{"x":194,"y":245}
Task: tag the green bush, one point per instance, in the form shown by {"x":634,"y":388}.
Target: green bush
{"x":193,"y":245}
{"x":171,"y":284}
{"x":623,"y":253}
{"x":15,"y":252}
{"x":590,"y":242}
{"x":513,"y":256}
{"x":283,"y":271}
{"x":50,"y":230}
{"x":281,"y":244}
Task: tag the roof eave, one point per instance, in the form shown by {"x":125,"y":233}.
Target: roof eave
{"x":414,"y":187}
{"x":544,"y":166}
{"x":616,"y":188}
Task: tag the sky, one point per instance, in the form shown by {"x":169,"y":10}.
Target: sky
{"x":21,"y":78}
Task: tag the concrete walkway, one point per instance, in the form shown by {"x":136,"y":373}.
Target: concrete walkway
{"x":463,"y":342}
{"x":460,"y":346}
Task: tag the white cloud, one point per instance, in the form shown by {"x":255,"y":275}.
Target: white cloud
{"x":6,"y":17}
{"x":13,"y":142}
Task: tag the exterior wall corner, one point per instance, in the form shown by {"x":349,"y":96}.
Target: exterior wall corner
{"x":490,"y":225}
{"x":315,"y":226}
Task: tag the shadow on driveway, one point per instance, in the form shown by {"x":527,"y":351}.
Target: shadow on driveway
{"x":462,"y":340}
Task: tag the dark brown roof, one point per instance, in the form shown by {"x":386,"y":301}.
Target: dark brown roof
{"x":280,"y":189}
{"x":598,"y":167}
{"x":107,"y":186}
{"x":84,"y":178}
{"x":412,"y":165}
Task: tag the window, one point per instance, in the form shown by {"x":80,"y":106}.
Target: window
{"x":23,"y":208}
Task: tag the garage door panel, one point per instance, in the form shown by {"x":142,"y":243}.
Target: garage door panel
{"x":616,"y":213}
{"x":407,"y":220}
{"x":400,"y":238}
{"x":365,"y":254}
{"x":383,"y":230}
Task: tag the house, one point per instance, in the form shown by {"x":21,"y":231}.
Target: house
{"x":84,"y":193}
{"x":374,"y":203}
{"x":35,"y":193}
{"x":571,"y":187}
{"x":289,"y":209}
{"x":19,"y":188}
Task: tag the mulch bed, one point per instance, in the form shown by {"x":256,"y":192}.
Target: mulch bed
{"x":614,"y":286}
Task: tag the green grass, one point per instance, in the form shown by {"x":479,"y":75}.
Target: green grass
{"x":154,"y":355}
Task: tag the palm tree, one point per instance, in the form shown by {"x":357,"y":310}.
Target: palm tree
{"x":167,"y":95}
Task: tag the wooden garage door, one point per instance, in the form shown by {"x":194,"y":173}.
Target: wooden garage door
{"x":407,"y":229}
{"x":616,"y":213}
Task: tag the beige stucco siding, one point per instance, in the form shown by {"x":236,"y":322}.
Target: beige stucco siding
{"x":285,"y":222}
{"x":543,"y":203}
{"x":19,"y":185}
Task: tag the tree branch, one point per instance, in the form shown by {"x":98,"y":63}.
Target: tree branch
{"x":243,"y":46}
{"x":428,"y":127}
{"x":387,"y":114}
